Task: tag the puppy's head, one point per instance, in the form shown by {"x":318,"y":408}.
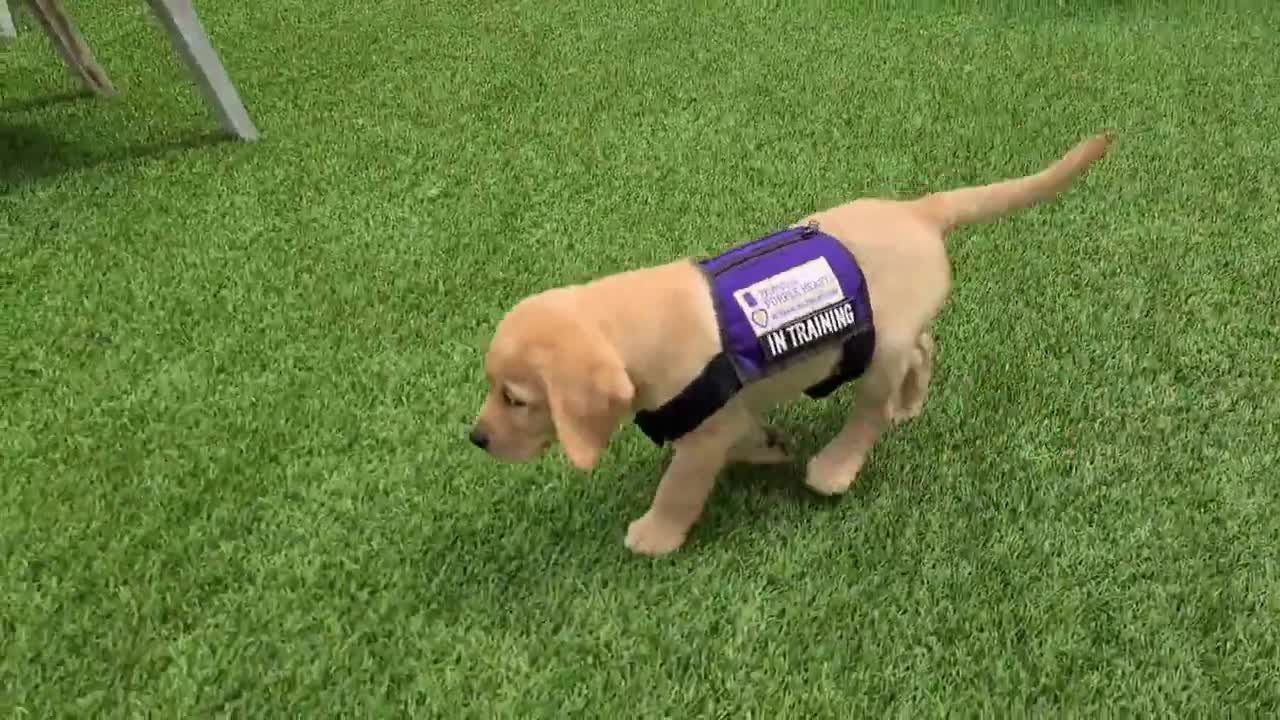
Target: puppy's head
{"x":552,"y":375}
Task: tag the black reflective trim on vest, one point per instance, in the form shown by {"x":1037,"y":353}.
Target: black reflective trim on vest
{"x":700,"y":399}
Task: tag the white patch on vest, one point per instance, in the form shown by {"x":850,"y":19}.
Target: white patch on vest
{"x":791,"y":294}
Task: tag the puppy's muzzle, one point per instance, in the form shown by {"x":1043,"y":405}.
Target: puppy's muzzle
{"x":479,"y":438}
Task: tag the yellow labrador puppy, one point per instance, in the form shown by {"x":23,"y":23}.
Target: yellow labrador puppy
{"x":697,"y":351}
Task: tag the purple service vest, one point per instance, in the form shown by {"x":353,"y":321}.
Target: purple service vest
{"x":785,"y":295}
{"x":776,"y":299}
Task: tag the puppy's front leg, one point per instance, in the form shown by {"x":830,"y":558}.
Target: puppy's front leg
{"x":685,"y":486}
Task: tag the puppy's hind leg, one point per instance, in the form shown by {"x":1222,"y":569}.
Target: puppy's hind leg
{"x":833,"y":470}
{"x":915,"y":385}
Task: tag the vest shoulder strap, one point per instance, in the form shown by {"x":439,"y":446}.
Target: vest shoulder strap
{"x":711,"y":390}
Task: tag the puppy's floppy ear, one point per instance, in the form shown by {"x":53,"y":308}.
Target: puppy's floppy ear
{"x":588,"y":391}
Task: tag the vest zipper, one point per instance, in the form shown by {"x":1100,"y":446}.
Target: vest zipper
{"x":800,"y":234}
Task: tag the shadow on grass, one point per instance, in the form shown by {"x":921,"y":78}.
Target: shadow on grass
{"x":526,"y":548}
{"x":769,"y":491}
{"x":43,"y":102}
{"x":30,"y":154}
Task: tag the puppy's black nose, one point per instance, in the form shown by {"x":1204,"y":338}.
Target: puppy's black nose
{"x":479,"y":439}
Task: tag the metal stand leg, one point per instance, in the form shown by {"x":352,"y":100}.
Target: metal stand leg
{"x":7,"y":30}
{"x":178,"y":17}
{"x":71,"y":46}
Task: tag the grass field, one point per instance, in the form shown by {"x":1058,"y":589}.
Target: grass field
{"x":235,"y":381}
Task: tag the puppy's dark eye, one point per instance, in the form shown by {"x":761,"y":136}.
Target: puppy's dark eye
{"x":511,"y":401}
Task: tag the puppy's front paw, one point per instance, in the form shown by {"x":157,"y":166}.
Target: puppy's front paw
{"x":828,"y":476}
{"x":907,"y":409}
{"x":653,"y":536}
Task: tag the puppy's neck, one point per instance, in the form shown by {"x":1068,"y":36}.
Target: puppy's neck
{"x":662,"y":322}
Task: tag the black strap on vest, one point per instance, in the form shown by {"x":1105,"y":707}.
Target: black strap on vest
{"x":718,"y":383}
{"x":855,"y":356}
{"x":711,"y":390}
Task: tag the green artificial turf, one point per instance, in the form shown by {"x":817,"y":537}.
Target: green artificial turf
{"x":235,"y":381}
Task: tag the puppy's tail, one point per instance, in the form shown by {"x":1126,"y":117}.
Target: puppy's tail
{"x":983,"y":203}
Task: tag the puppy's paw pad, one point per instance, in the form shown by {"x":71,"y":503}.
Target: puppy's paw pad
{"x":776,"y":440}
{"x":652,"y":536}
